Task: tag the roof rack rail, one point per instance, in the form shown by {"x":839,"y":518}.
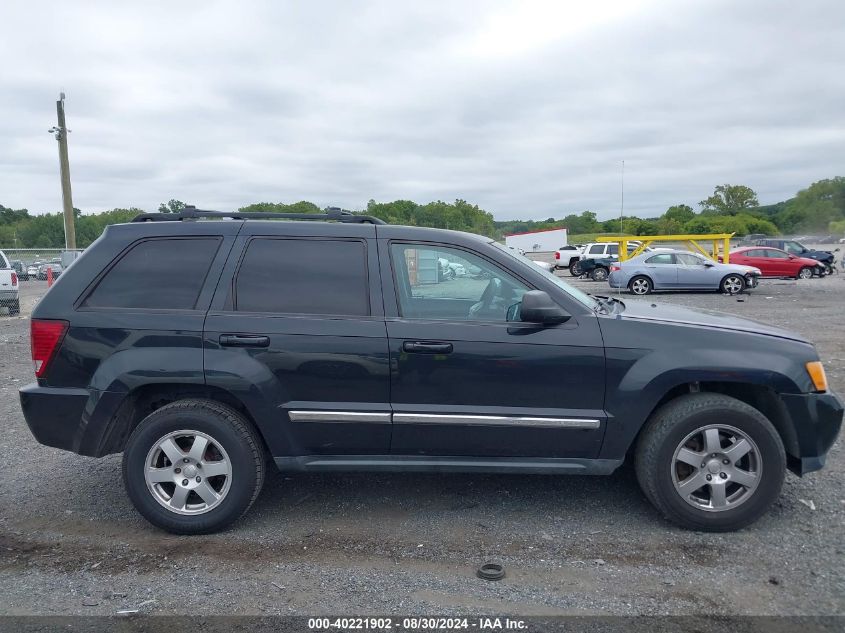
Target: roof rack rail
{"x":190,"y":212}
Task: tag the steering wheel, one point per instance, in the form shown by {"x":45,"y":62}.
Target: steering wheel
{"x":484,"y":306}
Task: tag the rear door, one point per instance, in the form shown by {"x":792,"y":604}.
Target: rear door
{"x":297,"y":331}
{"x":754,"y":257}
{"x":663,"y":270}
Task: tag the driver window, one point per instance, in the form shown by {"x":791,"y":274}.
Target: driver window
{"x":438,"y":282}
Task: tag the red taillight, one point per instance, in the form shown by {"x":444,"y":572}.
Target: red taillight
{"x":557,"y":254}
{"x":14,"y":279}
{"x":46,"y":336}
{"x":613,"y":269}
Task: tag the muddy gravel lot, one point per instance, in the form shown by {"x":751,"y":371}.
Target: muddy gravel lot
{"x":71,"y":543}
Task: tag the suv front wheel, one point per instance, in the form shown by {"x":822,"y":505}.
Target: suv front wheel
{"x":193,"y":466}
{"x":710,"y":462}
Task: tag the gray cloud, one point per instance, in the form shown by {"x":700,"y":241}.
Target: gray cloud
{"x":527,"y":109}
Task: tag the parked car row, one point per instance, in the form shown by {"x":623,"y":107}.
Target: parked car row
{"x":680,"y":270}
{"x":36,"y":269}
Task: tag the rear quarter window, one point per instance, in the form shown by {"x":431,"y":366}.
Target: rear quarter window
{"x":166,"y":273}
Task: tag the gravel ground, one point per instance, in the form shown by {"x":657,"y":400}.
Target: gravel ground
{"x":71,"y":543}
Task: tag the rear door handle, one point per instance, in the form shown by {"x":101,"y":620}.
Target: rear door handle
{"x":422,"y":347}
{"x":244,"y":340}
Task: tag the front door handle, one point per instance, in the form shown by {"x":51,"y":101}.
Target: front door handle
{"x":244,"y":340}
{"x":423,"y":347}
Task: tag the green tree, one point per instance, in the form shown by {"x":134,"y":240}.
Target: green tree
{"x":679,"y":213}
{"x":814,"y":208}
{"x":729,"y":200}
{"x":173,"y":206}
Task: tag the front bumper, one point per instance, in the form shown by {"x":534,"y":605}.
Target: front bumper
{"x":816,"y":420}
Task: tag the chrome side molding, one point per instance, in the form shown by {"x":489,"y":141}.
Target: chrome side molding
{"x":495,"y":420}
{"x":361,"y":417}
{"x":373,"y":417}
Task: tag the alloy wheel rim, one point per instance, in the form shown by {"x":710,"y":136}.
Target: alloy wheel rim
{"x":733,"y":285}
{"x":716,"y":468}
{"x":601,"y":274}
{"x":188,"y":472}
{"x":639,"y":286}
{"x":805,"y":273}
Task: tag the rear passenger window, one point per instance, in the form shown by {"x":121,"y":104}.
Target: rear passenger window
{"x":157,"y":274}
{"x":294,"y":276}
{"x":597,"y":249}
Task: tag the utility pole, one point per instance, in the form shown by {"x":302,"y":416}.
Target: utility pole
{"x":67,"y":200}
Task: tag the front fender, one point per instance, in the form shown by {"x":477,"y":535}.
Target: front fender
{"x":646,"y":360}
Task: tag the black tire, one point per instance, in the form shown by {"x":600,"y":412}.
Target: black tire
{"x":732,"y":284}
{"x":655,"y":450}
{"x":575,"y":269}
{"x":642,"y":282}
{"x":230,"y":430}
{"x":599,"y":273}
{"x":805,"y":273}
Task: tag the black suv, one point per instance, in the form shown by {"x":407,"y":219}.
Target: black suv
{"x":336,"y":344}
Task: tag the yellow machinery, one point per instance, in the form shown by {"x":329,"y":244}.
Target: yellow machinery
{"x":691,"y":240}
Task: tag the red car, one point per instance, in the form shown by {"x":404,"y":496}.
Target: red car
{"x":774,"y":262}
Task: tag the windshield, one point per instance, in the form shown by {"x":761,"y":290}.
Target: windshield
{"x":581,"y":297}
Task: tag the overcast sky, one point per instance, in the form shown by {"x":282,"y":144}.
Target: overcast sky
{"x":525,"y":108}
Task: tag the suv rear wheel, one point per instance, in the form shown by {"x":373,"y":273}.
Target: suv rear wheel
{"x":710,"y":462}
{"x":193,"y":466}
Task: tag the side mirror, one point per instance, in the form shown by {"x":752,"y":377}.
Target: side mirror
{"x":538,"y":307}
{"x":792,"y":257}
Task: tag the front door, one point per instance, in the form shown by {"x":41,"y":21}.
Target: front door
{"x":779,"y":262}
{"x":465,"y":381}
{"x":299,"y":335}
{"x":695,"y":271}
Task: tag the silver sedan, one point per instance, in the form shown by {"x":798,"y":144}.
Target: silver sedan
{"x":680,"y":270}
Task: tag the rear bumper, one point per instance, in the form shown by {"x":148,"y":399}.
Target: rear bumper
{"x":54,"y":415}
{"x":77,"y":420}
{"x":8,"y":295}
{"x":817,"y":419}
{"x":614,"y":280}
